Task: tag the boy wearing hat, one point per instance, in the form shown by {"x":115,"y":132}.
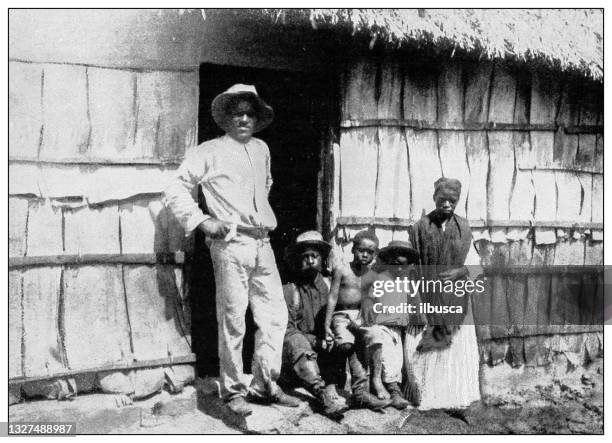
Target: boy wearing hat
{"x":307,"y":361}
{"x":233,"y":172}
{"x":385,"y":311}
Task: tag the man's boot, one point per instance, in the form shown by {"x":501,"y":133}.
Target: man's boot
{"x":397,"y":400}
{"x":364,"y":399}
{"x":331,"y":405}
{"x":333,"y":393}
{"x":279,"y":398}
{"x":239,"y":406}
{"x":307,"y":369}
{"x":282,"y":399}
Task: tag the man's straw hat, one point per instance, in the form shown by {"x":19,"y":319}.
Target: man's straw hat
{"x":265,"y":114}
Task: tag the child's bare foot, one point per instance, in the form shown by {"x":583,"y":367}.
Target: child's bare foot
{"x":380,"y":390}
{"x":376,"y":377}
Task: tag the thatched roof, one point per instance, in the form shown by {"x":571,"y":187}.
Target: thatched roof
{"x":566,"y":39}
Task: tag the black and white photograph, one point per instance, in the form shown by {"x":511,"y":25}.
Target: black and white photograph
{"x":305,"y":221}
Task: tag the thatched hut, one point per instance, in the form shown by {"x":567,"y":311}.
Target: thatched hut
{"x":372,"y":106}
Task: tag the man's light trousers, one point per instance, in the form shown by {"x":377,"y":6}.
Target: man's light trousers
{"x":246,"y":273}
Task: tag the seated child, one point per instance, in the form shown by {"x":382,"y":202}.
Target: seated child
{"x":343,"y":316}
{"x":394,"y":261}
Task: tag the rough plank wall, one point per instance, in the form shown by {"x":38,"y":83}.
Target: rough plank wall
{"x":517,"y":300}
{"x":522,"y":198}
{"x":91,"y":230}
{"x":147,"y":225}
{"x":506,"y":175}
{"x":71,"y":113}
{"x":49,"y":227}
{"x":44,"y":231}
{"x":15,"y":354}
{"x":421,"y":102}
{"x":114,"y":114}
{"x":95,"y":320}
{"x":503,"y":172}
{"x":25,"y":104}
{"x":570,"y":245}
{"x":154,"y":308}
{"x":90,"y":151}
{"x":92,"y":298}
{"x":477,"y":92}
{"x":501,"y":155}
{"x":544,"y":107}
{"x":392,"y":177}
{"x":358,"y":147}
{"x":18,"y":210}
{"x":451,"y":144}
{"x":43,"y":352}
{"x":66,"y":122}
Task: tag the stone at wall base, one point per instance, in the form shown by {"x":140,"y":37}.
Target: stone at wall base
{"x":100,"y":413}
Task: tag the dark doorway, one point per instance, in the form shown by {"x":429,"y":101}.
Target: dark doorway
{"x":305,"y":107}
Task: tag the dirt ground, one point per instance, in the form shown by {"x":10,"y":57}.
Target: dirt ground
{"x":570,"y":406}
{"x":571,"y":414}
{"x":571,"y":403}
{"x":551,"y":409}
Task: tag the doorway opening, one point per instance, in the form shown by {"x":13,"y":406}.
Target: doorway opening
{"x":305,"y":107}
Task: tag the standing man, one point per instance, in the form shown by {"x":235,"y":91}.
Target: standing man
{"x":234,"y":173}
{"x":307,"y":359}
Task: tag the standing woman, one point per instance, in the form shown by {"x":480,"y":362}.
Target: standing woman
{"x":442,"y":360}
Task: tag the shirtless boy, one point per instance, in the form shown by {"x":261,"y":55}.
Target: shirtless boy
{"x":343,"y":316}
{"x":344,"y":303}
